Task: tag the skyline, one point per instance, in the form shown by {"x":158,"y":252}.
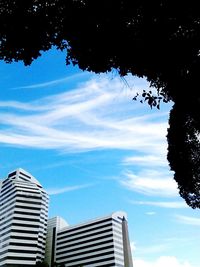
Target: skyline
{"x":24,"y":215}
{"x":83,"y":138}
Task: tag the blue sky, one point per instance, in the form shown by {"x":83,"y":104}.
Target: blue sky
{"x":96,"y":151}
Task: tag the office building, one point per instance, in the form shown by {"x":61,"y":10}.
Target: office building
{"x":23,"y":220}
{"x":102,"y":242}
{"x":26,"y":238}
{"x":53,"y":226}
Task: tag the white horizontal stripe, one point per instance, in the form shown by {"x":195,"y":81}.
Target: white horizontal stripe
{"x":63,"y":232}
{"x":19,"y":197}
{"x":29,"y":205}
{"x":25,"y":235}
{"x":99,"y":264}
{"x":109,"y":228}
{"x":17,"y":262}
{"x":59,"y":247}
{"x":21,"y":248}
{"x":111,"y":250}
{"x":85,"y":239}
{"x":9,"y":199}
{"x":28,"y":211}
{"x":7,"y":193}
{"x":83,"y":250}
{"x":86,"y":261}
{"x":34,"y":216}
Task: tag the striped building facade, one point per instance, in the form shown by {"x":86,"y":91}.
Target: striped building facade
{"x":102,"y":242}
{"x":23,"y":220}
{"x":53,"y":226}
{"x":28,"y":237}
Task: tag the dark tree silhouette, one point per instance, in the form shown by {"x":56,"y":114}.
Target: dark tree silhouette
{"x":159,"y":40}
{"x":42,"y":264}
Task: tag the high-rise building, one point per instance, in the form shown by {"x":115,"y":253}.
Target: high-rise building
{"x":26,"y":238}
{"x":53,"y":226}
{"x":102,"y":242}
{"x":23,"y":220}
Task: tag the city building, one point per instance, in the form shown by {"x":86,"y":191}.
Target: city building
{"x":23,"y":220}
{"x":28,"y":237}
{"x":53,"y":226}
{"x":102,"y":242}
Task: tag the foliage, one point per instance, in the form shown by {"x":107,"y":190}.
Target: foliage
{"x":159,"y":40}
{"x":184,"y":148}
{"x":42,"y":264}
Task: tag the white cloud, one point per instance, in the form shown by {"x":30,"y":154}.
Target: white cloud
{"x":145,"y":250}
{"x":163,"y":261}
{"x":98,"y":114}
{"x":162,"y":204}
{"x":154,"y":248}
{"x":58,"y":191}
{"x":146,"y":160}
{"x":188,"y":220}
{"x":150,"y":182}
{"x":51,"y":83}
{"x":133,"y":246}
{"x":16,"y":105}
{"x":150,"y":213}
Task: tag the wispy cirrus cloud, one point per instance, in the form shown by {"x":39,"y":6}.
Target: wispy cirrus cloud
{"x":97,"y":114}
{"x":51,"y":83}
{"x":146,"y":160}
{"x":162,"y":204}
{"x":187,"y":220}
{"x":16,"y":105}
{"x":154,"y":248}
{"x":150,"y":182}
{"x":150,"y":213}
{"x":58,"y":191}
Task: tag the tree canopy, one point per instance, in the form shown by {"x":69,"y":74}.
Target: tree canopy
{"x":42,"y":264}
{"x":158,"y":40}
